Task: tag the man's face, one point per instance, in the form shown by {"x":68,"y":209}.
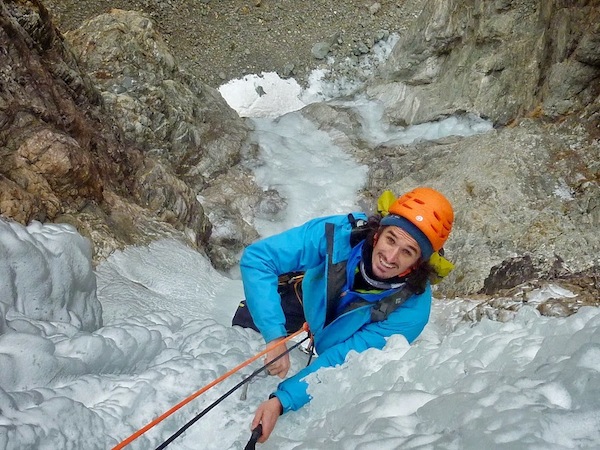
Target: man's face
{"x":394,"y":252}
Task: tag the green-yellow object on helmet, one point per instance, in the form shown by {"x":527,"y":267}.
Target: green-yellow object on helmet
{"x":385,"y":200}
{"x":441,"y":266}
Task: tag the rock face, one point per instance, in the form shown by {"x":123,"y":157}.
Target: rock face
{"x":522,"y":191}
{"x":528,"y":191}
{"x":57,"y":150}
{"x":165,"y":111}
{"x":498,"y":59}
{"x":105,"y":131}
{"x":121,"y":155}
{"x":175,"y":119}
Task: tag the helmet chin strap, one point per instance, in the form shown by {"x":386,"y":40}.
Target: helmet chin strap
{"x":379,"y":284}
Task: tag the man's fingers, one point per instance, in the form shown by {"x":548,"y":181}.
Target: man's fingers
{"x":280,"y":369}
{"x":268,"y":412}
{"x":275,"y":370}
{"x":271,"y":367}
{"x":282,"y":365}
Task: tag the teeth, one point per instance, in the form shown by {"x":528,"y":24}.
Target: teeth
{"x":384,"y":264}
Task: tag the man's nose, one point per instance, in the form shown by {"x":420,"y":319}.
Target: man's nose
{"x":393,"y":254}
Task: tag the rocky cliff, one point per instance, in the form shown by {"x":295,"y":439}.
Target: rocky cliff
{"x":101,"y":127}
{"x":500,"y":59}
{"x":105,"y":133}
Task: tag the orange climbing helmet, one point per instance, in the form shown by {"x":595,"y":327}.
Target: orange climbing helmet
{"x":427,"y":210}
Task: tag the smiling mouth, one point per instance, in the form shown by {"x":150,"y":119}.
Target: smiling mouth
{"x":385,"y":264}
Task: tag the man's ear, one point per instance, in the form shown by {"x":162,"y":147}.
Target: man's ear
{"x":375,"y":237}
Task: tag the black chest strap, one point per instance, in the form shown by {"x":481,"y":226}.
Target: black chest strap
{"x":383,"y":308}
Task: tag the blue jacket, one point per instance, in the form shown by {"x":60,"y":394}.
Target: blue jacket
{"x":307,"y":248}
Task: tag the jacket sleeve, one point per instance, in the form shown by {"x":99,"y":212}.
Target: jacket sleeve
{"x":408,"y":320}
{"x":296,"y":249}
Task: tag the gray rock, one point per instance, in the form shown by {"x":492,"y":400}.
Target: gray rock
{"x":288,"y":70}
{"x":320,"y":50}
{"x":492,"y":59}
{"x":168,"y":109}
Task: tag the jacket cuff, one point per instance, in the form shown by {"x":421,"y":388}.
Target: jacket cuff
{"x":274,"y":396}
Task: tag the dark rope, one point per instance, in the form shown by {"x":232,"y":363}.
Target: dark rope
{"x":224,"y":396}
{"x":311,"y":351}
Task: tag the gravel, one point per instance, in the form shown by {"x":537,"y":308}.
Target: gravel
{"x":220,"y":40}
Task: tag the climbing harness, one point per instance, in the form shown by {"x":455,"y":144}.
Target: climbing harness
{"x":184,"y":402}
{"x":289,"y":288}
{"x":381,"y":310}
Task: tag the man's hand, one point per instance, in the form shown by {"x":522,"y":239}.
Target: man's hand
{"x":267,"y":414}
{"x":282,"y":365}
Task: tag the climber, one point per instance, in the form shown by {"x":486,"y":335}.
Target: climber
{"x":362,"y":281}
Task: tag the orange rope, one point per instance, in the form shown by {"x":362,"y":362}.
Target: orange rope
{"x":179,"y":405}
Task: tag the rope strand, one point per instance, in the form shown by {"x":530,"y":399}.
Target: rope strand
{"x":184,"y":402}
{"x":224,"y":396}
